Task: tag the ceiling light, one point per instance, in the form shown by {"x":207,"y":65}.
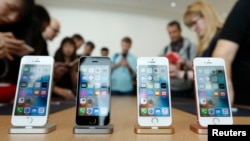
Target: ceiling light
{"x":173,"y":4}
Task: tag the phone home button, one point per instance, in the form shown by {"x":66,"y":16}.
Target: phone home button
{"x":154,"y":121}
{"x":216,"y":121}
{"x":29,"y":120}
{"x":93,"y":121}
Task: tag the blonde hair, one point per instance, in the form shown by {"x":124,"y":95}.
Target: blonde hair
{"x":213,"y":21}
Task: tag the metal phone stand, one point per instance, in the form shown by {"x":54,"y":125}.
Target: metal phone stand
{"x":108,"y":129}
{"x":49,"y":127}
{"x":198,"y":129}
{"x":153,"y":130}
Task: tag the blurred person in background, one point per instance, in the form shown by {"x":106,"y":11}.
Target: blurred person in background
{"x":104,"y":51}
{"x":52,"y":30}
{"x":233,"y":47}
{"x":123,"y":70}
{"x":63,"y":84}
{"x":185,"y":51}
{"x":201,"y":17}
{"x":16,"y":18}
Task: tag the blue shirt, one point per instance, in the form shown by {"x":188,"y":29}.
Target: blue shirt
{"x":121,"y":79}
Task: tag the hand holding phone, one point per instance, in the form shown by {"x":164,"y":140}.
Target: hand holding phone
{"x":33,"y":92}
{"x":93,"y":91}
{"x":211,"y":91}
{"x":173,"y":57}
{"x":153,"y":92}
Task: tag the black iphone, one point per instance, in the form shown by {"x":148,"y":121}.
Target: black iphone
{"x":93,"y":91}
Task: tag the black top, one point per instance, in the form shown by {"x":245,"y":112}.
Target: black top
{"x":237,"y":29}
{"x":209,"y":51}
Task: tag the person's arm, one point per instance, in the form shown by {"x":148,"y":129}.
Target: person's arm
{"x":63,"y":92}
{"x":227,"y":50}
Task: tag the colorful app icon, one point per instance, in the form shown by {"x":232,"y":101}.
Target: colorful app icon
{"x":150,"y":92}
{"x":202,"y":86}
{"x":97,"y":70}
{"x":22,"y":92}
{"x":25,"y":77}
{"x":215,"y":86}
{"x":150,"y":101}
{"x":222,"y":86}
{"x":97,"y":92}
{"x":164,"y":93}
{"x":216,"y":93}
{"x":207,"y":78}
{"x":32,"y":77}
{"x":104,"y":70}
{"x":84,"y":78}
{"x":36,"y":92}
{"x":156,"y":78}
{"x":21,"y":100}
{"x":208,"y":86}
{"x":214,"y":78}
{"x":37,"y":84}
{"x":151,"y":111}
{"x":157,"y":93}
{"x":211,"y":111}
{"x":143,"y":78}
{"x":225,"y":111}
{"x":43,"y":92}
{"x":143,"y":111}
{"x":83,"y":69}
{"x":149,"y":70}
{"x":143,"y":85}
{"x":97,"y":85}
{"x":96,"y":111}
{"x":218,"y":111}
{"x":23,"y":84}
{"x":202,"y":93}
{"x":83,"y":100}
{"x":26,"y":110}
{"x":26,"y":69}
{"x":156,"y":70}
{"x":200,"y":71}
{"x":104,"y":111}
{"x":149,"y":78}
{"x":90,"y":92}
{"x":206,"y":71}
{"x":143,"y":70}
{"x":204,"y":111}
{"x":29,"y":92}
{"x":33,"y":110}
{"x":83,"y":93}
{"x":32,"y":69}
{"x":44,"y":84}
{"x":158,"y":111}
{"x":41,"y":110}
{"x":164,"y":111}
{"x":91,"y":77}
{"x":143,"y":93}
{"x":201,"y":79}
{"x":104,"y":85}
{"x":150,"y":85}
{"x":84,"y":84}
{"x":222,"y":93}
{"x":143,"y":101}
{"x":39,"y":77}
{"x":203,"y":101}
{"x":90,"y":85}
{"x":30,"y":84}
{"x":91,"y":70}
{"x":156,"y":85}
{"x":19,"y":110}
{"x":163,"y":85}
{"x":82,"y":111}
{"x":103,"y":92}
{"x":89,"y":111}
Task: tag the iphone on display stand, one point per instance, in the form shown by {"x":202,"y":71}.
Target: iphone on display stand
{"x":153,"y":92}
{"x":211,"y":92}
{"x":93,"y":92}
{"x":33,"y":92}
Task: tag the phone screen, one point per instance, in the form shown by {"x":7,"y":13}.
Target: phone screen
{"x":153,"y":91}
{"x":212,"y":91}
{"x":33,"y":90}
{"x":94,"y":90}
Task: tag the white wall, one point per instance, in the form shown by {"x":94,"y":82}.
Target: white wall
{"x":107,"y":28}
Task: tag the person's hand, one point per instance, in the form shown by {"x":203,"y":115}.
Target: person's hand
{"x":10,"y":46}
{"x":65,"y":93}
{"x":124,"y":62}
{"x":174,"y":71}
{"x":59,"y":70}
